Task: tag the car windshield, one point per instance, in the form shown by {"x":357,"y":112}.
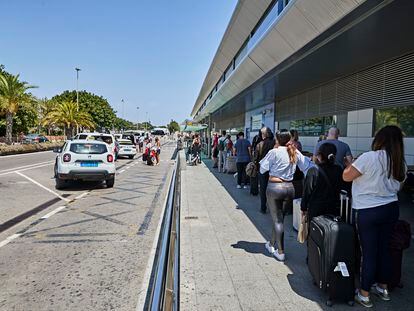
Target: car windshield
{"x":125,"y":143}
{"x":105,"y":139}
{"x":88,"y":148}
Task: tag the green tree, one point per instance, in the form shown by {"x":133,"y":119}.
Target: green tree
{"x":44,"y":107}
{"x":13,"y":95}
{"x":122,"y":124}
{"x":173,"y":126}
{"x":67,"y":115}
{"x":98,"y":107}
{"x":147,"y":126}
{"x":24,"y":120}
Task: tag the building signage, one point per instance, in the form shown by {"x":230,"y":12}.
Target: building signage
{"x":257,"y":122}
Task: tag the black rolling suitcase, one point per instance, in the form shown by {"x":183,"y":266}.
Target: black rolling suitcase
{"x":331,"y":254}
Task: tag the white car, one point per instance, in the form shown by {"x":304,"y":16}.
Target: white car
{"x":126,"y":148}
{"x":107,"y":138}
{"x":84,"y":160}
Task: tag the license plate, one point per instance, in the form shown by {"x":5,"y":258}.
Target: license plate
{"x":127,"y":149}
{"x":89,"y":164}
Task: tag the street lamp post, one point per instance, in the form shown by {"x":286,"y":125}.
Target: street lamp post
{"x":77,"y":94}
{"x":146,"y":122}
{"x":137,"y":118}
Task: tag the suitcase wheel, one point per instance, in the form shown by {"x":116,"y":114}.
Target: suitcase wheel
{"x":329,"y":303}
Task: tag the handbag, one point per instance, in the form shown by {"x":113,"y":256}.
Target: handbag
{"x":251,"y":169}
{"x":303,"y":230}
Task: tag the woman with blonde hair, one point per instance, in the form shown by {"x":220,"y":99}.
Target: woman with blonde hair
{"x":281,"y":162}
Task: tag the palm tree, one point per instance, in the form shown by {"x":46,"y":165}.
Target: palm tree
{"x":13,"y":95}
{"x":46,"y":106}
{"x":67,"y":115}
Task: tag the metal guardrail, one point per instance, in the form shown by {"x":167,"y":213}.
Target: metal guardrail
{"x":165,"y":289}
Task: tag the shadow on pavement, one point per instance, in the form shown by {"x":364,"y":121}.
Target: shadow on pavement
{"x":300,"y":279}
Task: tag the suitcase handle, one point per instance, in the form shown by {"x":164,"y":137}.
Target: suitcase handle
{"x":345,"y":205}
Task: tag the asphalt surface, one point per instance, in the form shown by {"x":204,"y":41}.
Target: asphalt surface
{"x":86,"y":247}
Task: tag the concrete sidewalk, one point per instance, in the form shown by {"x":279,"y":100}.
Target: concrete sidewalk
{"x":224,"y":265}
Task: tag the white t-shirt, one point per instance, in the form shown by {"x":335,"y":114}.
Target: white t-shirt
{"x":373,"y":188}
{"x":278,"y":164}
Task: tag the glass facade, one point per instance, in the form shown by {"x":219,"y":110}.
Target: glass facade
{"x":400,"y":116}
{"x":314,"y":126}
{"x":271,"y":14}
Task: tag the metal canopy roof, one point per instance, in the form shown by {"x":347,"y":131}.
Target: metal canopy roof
{"x":244,"y":18}
{"x":296,"y":26}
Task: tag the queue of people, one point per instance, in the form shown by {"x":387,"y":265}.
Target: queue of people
{"x":372,"y":181}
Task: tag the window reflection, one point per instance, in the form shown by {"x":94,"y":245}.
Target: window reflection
{"x":400,"y":116}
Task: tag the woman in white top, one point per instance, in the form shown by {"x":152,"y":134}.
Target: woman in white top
{"x":377,"y":176}
{"x":281,"y":163}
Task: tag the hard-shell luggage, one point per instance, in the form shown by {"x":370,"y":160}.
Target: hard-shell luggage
{"x":399,"y":241}
{"x":231,"y":165}
{"x":331,"y":254}
{"x":254,"y":185}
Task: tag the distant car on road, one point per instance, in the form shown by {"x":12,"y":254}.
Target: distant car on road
{"x":87,"y":160}
{"x":34,"y":139}
{"x":160,"y":131}
{"x":126,"y":148}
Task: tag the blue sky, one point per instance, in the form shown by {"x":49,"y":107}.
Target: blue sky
{"x":152,"y":53}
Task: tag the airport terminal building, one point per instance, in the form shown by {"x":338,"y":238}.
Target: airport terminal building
{"x":308,"y":65}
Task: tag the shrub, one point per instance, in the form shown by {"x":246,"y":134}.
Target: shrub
{"x":27,"y":148}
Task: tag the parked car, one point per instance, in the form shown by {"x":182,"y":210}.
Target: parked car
{"x":84,"y":160}
{"x":126,"y":148}
{"x":34,"y":139}
{"x":106,"y":138}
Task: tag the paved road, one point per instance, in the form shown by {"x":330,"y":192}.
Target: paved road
{"x":86,"y":247}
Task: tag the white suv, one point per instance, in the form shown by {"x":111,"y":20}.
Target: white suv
{"x":126,"y":148}
{"x":84,"y":160}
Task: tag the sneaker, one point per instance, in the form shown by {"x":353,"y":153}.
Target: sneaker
{"x":244,"y":187}
{"x":279,"y":257}
{"x":269,"y":248}
{"x":380,"y":292}
{"x":364,"y":301}
{"x":238,"y":187}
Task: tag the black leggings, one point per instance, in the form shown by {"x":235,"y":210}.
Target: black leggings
{"x":241,"y":172}
{"x":279,"y":199}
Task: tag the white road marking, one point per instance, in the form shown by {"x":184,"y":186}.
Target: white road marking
{"x":81,"y":195}
{"x":25,"y":166}
{"x":41,"y":186}
{"x":24,"y":154}
{"x":9,"y":239}
{"x":57,"y":210}
{"x":120,"y":172}
{"x":26,"y":169}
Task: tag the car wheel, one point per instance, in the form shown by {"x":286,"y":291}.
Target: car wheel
{"x":110,"y":182}
{"x":59,"y":183}
{"x":131,"y":157}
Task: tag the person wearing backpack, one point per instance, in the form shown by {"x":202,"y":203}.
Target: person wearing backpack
{"x":267,"y":143}
{"x":222,"y":152}
{"x":323,"y":184}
